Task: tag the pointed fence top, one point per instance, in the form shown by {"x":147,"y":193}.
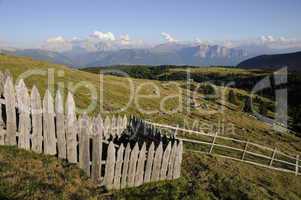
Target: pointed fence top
{"x":59,"y":102}
{"x":8,"y":83}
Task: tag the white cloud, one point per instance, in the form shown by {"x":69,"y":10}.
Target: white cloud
{"x":168,"y":37}
{"x":108,"y":41}
{"x":103,"y":35}
{"x":198,"y":40}
{"x":58,"y":43}
{"x":93,"y":42}
{"x":125,"y":39}
{"x":276,"y":40}
{"x":75,"y":39}
{"x":268,"y":38}
{"x":202,"y":41}
{"x":57,"y":39}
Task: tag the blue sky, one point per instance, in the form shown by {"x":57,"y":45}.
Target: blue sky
{"x":28,"y":22}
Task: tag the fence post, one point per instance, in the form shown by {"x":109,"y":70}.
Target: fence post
{"x":140,"y":166}
{"x":36,"y":114}
{"x":48,"y":124}
{"x":118,"y":168}
{"x":119,"y":126}
{"x":97,"y":149}
{"x":297,"y":165}
{"x":84,"y":141}
{"x":125,"y":122}
{"x":113,"y":127}
{"x":2,"y":82}
{"x":110,"y":166}
{"x":133,"y":165}
{"x":2,"y":131}
{"x":171,"y":161}
{"x":244,"y":152}
{"x":178,"y":161}
{"x":23,"y":102}
{"x":107,"y":129}
{"x":273,"y":156}
{"x":125,"y":169}
{"x":157,"y":163}
{"x":60,"y":125}
{"x":165,"y":160}
{"x":212,"y":145}
{"x":71,"y":129}
{"x":10,"y":103}
{"x":149,"y":163}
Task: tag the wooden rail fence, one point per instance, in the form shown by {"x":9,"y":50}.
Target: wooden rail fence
{"x":95,"y":144}
{"x":235,"y":149}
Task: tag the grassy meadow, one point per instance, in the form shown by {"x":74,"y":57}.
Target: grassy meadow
{"x":25,"y":175}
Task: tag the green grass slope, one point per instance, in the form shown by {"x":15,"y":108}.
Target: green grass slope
{"x":203,"y":176}
{"x":25,"y":175}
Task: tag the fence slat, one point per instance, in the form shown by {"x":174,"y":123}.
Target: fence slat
{"x":84,"y":141}
{"x":157,"y":163}
{"x":297,"y":165}
{"x":110,"y":166}
{"x":272,"y":158}
{"x":2,"y":131}
{"x":125,"y":169}
{"x":165,"y":160}
{"x":60,"y":125}
{"x":48,"y":124}
{"x":23,"y":102}
{"x":97,"y":149}
{"x":10,"y":103}
{"x":133,"y":165}
{"x":119,"y":126}
{"x":2,"y":82}
{"x":125,"y":122}
{"x":36,"y":114}
{"x":149,"y":163}
{"x":171,"y":161}
{"x":178,"y":161}
{"x":244,"y":152}
{"x":140,"y":166}
{"x":2,"y":134}
{"x":213,"y":142}
{"x":118,"y":168}
{"x":107,"y":127}
{"x":113,"y":127}
{"x":71,"y":129}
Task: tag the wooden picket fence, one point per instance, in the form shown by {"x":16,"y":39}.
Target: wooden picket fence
{"x":97,"y":145}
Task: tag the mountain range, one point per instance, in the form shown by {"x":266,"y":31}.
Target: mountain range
{"x":172,"y":53}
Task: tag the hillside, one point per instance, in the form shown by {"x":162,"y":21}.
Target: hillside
{"x":204,"y":176}
{"x":25,"y":175}
{"x":291,"y":60}
{"x":244,"y":79}
{"x":117,"y":92}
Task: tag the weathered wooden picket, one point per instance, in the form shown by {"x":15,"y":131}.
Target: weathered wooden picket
{"x":97,"y":145}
